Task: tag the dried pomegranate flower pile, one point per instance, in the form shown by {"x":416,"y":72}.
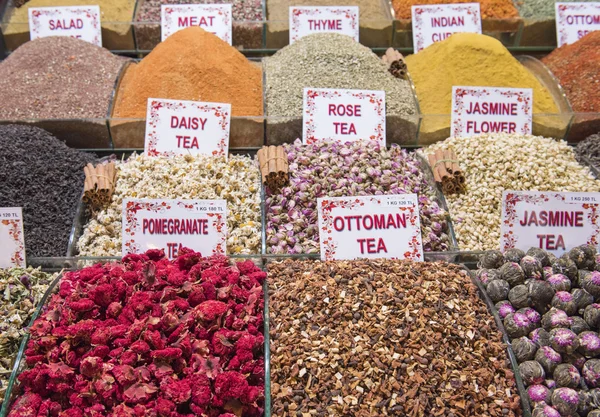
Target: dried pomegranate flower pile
{"x":149,"y":337}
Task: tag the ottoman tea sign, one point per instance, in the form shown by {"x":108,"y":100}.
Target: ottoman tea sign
{"x":81,"y":22}
{"x":12,"y":240}
{"x":307,"y":20}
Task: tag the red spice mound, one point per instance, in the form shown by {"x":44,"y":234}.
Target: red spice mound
{"x":577,"y":67}
{"x":123,"y":340}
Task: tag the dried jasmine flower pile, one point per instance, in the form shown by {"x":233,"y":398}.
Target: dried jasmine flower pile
{"x":149,"y":337}
{"x":22,"y":290}
{"x":236,"y":180}
{"x":551,"y":314}
{"x":589,"y":149}
{"x":384,"y":337}
{"x":45,"y":177}
{"x":498,"y":162}
{"x":331,"y":169}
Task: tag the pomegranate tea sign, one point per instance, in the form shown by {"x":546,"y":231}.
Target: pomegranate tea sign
{"x":434,"y":23}
{"x":12,"y":239}
{"x":307,"y":20}
{"x":481,"y":110}
{"x":383,"y":226}
{"x":555,"y":222}
{"x":81,"y":22}
{"x":575,"y":20}
{"x":214,"y":18}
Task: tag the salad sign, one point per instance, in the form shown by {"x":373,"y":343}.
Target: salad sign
{"x":383,"y":226}
{"x":307,"y":20}
{"x":12,"y":239}
{"x":575,"y":20}
{"x":81,"y":22}
{"x":178,"y":127}
{"x":480,"y":110}
{"x":214,"y":18}
{"x":171,"y":225}
{"x":434,"y":23}
{"x":343,"y":115}
{"x":555,"y":222}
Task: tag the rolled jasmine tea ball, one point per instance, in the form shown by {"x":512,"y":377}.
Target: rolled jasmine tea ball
{"x":564,"y":300}
{"x":576,"y":359}
{"x":584,"y":256}
{"x":539,"y":254}
{"x":582,"y":299}
{"x":555,"y":318}
{"x":532,"y":267}
{"x":524,"y":349}
{"x":578,"y":325}
{"x":514,"y":255}
{"x":540,"y":337}
{"x":589,"y":344}
{"x":504,"y":308}
{"x":498,"y":290}
{"x":538,"y":393}
{"x":591,"y":283}
{"x":566,"y":267}
{"x":591,"y":373}
{"x":548,"y":358}
{"x":512,"y":273}
{"x":591,"y":315}
{"x":566,"y":375}
{"x":563,"y":340}
{"x":519,"y":297}
{"x":565,"y":400}
{"x":517,"y":325}
{"x":492,"y":259}
{"x":541,"y":294}
{"x":559,"y":282}
{"x":487,"y":275}
{"x":532,"y":372}
{"x":534,"y":317}
{"x":544,"y":410}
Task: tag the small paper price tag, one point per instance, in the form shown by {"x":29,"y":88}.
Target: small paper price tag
{"x":555,"y":222}
{"x":177,"y":127}
{"x":171,"y":225}
{"x":214,"y":18}
{"x":307,"y":20}
{"x":383,"y":226}
{"x":575,"y":20}
{"x":81,"y":22}
{"x":12,"y":238}
{"x":481,"y":110}
{"x":434,"y":23}
{"x":343,"y":115}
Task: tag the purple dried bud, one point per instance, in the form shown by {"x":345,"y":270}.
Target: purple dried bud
{"x":550,"y":383}
{"x":589,"y":344}
{"x":565,"y":400}
{"x":563,"y":340}
{"x":591,"y":283}
{"x":548,"y":358}
{"x":545,"y":411}
{"x":517,"y":325}
{"x":563,"y":300}
{"x":538,"y":393}
{"x":555,"y":318}
{"x":25,"y":281}
{"x":533,"y":316}
{"x":504,"y":308}
{"x":591,"y":373}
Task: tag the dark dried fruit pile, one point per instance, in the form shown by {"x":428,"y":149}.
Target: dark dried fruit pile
{"x":384,"y":338}
{"x":149,"y":337}
{"x":45,"y":177}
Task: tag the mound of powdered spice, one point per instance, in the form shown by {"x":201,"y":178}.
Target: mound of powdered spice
{"x":540,"y":9}
{"x":45,"y":177}
{"x":192,"y":64}
{"x":490,"y":9}
{"x":57,"y":78}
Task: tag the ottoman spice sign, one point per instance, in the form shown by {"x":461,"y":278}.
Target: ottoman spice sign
{"x":383,"y":226}
{"x":12,"y":240}
{"x":171,"y":225}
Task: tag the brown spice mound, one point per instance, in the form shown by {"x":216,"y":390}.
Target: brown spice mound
{"x":577,"y":67}
{"x":382,"y":337}
{"x":192,"y":64}
{"x":490,"y":9}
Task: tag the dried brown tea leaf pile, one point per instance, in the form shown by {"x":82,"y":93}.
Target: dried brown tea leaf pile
{"x":384,"y":338}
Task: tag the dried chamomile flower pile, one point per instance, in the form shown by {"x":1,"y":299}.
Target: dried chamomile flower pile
{"x":149,"y":337}
{"x":236,"y":180}
{"x":498,"y":162}
{"x":22,"y":290}
{"x":332,"y":169}
{"x":551,"y":313}
{"x":384,"y":338}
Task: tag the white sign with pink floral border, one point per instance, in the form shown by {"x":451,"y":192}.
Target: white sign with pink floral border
{"x":171,"y":225}
{"x":307,"y":20}
{"x":553,"y":221}
{"x":382,"y":226}
{"x":575,"y":20}
{"x":434,"y":23}
{"x":214,"y":18}
{"x":81,"y":22}
{"x":179,"y":127}
{"x":343,"y":115}
{"x":483,"y":110}
{"x":12,"y":238}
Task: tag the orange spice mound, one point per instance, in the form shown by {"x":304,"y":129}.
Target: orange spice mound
{"x":192,"y":64}
{"x":490,"y":9}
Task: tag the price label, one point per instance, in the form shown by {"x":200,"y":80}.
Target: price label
{"x":12,"y":238}
{"x":81,"y":22}
{"x":171,"y":225}
{"x":555,"y":222}
{"x":343,"y":115}
{"x":481,"y":110}
{"x":575,"y":20}
{"x":434,"y":23}
{"x":178,"y":127}
{"x":370,"y":227}
{"x":307,"y":20}
{"x":214,"y":18}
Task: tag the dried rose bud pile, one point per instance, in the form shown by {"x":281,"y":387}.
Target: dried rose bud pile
{"x":551,"y":312}
{"x":384,"y":338}
{"x":337,"y":170}
{"x":149,"y":337}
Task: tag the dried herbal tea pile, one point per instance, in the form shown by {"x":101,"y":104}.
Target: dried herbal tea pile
{"x":384,"y":338}
{"x":22,"y":290}
{"x":43,"y":176}
{"x":149,"y":337}
{"x":333,"y":169}
{"x":236,"y":180}
{"x":590,"y":150}
{"x":551,"y":314}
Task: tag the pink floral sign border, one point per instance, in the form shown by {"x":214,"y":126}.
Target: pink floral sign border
{"x":15,"y":234}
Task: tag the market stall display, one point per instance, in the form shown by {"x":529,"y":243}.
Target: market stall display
{"x":384,"y":337}
{"x":494,"y":163}
{"x":44,"y":177}
{"x":236,"y":180}
{"x":588,"y":151}
{"x":552,"y":319}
